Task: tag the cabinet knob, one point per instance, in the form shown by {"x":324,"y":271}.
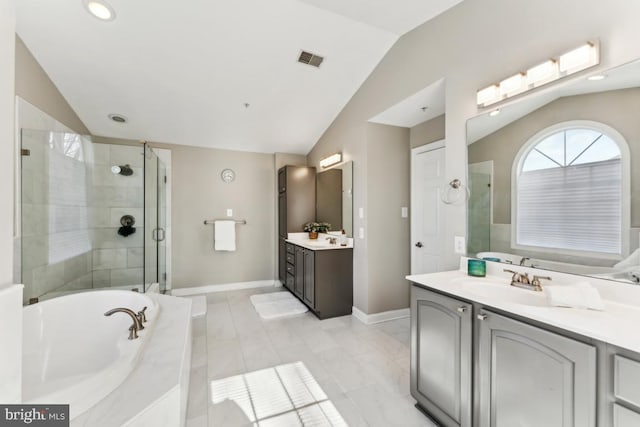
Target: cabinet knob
{"x":481,"y":316}
{"x":462,"y":309}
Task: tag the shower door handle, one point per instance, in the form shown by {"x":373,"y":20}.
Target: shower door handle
{"x":158,"y":234}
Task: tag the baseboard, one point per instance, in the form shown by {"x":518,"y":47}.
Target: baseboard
{"x":181,"y":292}
{"x":385,"y":316}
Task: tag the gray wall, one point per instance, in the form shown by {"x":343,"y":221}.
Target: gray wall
{"x":388,"y":188}
{"x":34,"y":85}
{"x":427,"y":132}
{"x":618,"y":109}
{"x":476,"y":43}
{"x":198,"y":194}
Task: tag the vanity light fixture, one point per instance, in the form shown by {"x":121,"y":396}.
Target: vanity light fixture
{"x":571,"y":62}
{"x":331,"y":160}
{"x":100,"y":9}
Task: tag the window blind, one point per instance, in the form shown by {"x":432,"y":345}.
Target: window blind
{"x":576,"y":207}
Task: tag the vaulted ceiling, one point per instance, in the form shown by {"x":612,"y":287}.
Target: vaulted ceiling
{"x":216,"y":73}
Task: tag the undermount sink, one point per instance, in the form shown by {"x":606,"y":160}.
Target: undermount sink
{"x":502,"y":292}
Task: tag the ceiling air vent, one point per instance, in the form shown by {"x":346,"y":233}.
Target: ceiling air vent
{"x":310,"y":59}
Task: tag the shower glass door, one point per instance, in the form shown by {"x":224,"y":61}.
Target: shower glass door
{"x":154,"y":219}
{"x":75,"y":198}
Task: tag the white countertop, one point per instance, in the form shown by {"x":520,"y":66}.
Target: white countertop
{"x":616,"y":325}
{"x":319,"y":244}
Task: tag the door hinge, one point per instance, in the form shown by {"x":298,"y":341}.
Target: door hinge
{"x":165,"y":179}
{"x":25,"y":152}
{"x":164,"y":276}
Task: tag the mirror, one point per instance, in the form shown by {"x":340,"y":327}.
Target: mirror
{"x":334,"y":197}
{"x":572,"y":131}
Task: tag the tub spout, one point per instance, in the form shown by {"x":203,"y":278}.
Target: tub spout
{"x":137,"y":324}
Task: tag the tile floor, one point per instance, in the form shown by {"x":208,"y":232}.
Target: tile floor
{"x":297,"y":371}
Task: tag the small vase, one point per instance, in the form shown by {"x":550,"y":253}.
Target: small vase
{"x":313,"y":235}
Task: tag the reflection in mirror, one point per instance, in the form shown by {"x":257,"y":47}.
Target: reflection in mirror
{"x":334,"y":197}
{"x":555,"y":182}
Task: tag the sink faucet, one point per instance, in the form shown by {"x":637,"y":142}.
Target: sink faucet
{"x":524,"y":258}
{"x":332,"y":240}
{"x":521,"y":280}
{"x":137,"y":321}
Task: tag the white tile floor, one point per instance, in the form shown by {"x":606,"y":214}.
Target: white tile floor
{"x":297,"y":371}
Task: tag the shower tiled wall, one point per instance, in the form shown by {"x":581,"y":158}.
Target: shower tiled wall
{"x":71,"y":209}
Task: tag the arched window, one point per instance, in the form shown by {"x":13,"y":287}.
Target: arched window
{"x":569,"y":186}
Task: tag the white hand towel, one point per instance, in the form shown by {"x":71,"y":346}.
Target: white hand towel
{"x":225,"y":236}
{"x":581,"y":295}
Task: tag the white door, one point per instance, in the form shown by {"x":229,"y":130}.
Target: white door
{"x":427,"y":236}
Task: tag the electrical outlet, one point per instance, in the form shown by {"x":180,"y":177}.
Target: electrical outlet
{"x":361,"y":213}
{"x":361,"y":233}
{"x":404,"y":212}
{"x":229,"y":212}
{"x":459,"y":245}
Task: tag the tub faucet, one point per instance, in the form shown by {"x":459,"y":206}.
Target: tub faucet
{"x":137,"y":324}
{"x":524,"y":258}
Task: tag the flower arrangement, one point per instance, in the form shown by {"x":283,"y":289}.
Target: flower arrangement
{"x":318,"y":227}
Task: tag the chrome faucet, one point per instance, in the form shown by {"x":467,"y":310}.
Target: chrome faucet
{"x":137,"y":323}
{"x":332,"y":240}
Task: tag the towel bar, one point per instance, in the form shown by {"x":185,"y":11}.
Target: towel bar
{"x":238,"y":221}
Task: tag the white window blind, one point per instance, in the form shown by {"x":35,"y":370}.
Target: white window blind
{"x":575,"y":207}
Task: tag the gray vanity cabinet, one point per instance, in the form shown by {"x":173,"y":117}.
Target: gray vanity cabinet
{"x":530,"y":376}
{"x":309,"y":278}
{"x":441,"y":356}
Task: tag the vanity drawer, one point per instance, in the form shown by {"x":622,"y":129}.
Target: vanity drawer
{"x":291,"y":269}
{"x":623,"y":417}
{"x":291,"y":258}
{"x":290,"y":249}
{"x":626,"y":379}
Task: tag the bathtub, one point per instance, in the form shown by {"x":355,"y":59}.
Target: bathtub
{"x":73,"y":354}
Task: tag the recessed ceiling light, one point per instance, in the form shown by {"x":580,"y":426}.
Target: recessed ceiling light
{"x":494,"y":113}
{"x":100,"y":9}
{"x":118,"y":118}
{"x":596,"y":77}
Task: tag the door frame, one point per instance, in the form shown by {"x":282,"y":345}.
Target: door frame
{"x":432,"y":146}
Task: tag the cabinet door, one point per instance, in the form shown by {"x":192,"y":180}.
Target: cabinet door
{"x":309,"y":278}
{"x":282,"y":215}
{"x":298,"y":285}
{"x":532,"y":377}
{"x":441,"y":356}
{"x":282,"y":260}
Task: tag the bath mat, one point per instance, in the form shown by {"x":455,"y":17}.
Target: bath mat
{"x":277,"y":304}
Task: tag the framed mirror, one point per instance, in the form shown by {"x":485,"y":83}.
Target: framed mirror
{"x":555,"y":179}
{"x":334,"y":197}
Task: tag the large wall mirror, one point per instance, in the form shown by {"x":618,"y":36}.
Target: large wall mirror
{"x":334,"y":197}
{"x":555,"y":179}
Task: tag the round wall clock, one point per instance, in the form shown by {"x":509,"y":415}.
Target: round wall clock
{"x":228,"y":175}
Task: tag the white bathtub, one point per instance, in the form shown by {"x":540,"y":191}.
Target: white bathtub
{"x":73,"y":354}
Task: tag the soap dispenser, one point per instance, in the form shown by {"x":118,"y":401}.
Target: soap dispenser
{"x":343,"y":238}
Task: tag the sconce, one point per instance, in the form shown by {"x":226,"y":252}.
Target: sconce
{"x":331,"y":160}
{"x":578,"y":59}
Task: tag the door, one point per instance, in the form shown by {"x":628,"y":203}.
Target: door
{"x":441,"y":356}
{"x":427,"y":236}
{"x":532,"y":377}
{"x":298,"y":285}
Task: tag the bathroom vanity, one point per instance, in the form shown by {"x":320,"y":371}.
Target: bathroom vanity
{"x":320,"y":274}
{"x":484,"y":353}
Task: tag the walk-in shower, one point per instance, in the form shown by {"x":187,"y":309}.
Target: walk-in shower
{"x":92,"y":215}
